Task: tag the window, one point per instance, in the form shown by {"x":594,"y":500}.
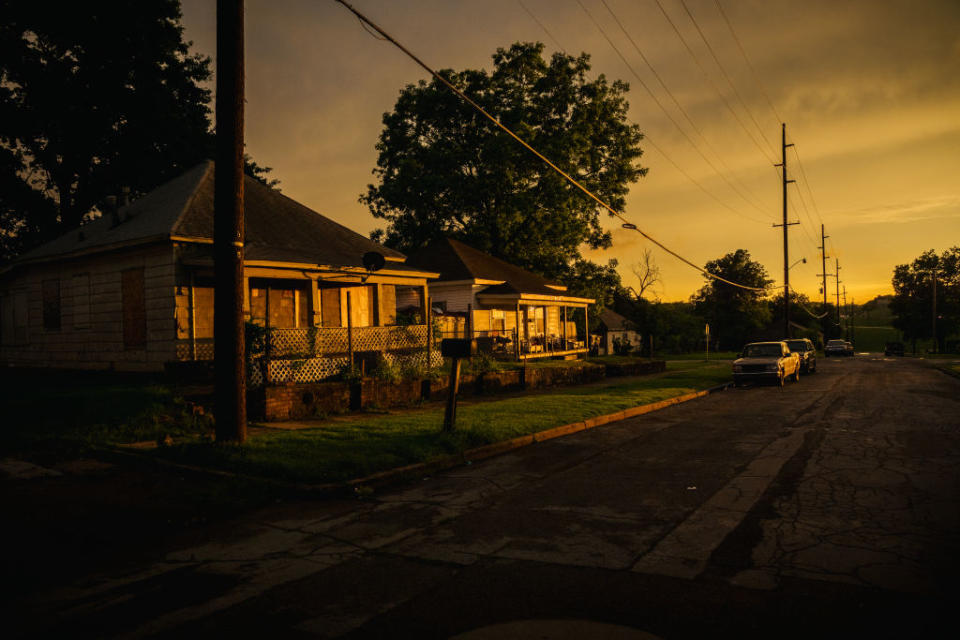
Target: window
{"x":80,"y":288}
{"x":279,"y":305}
{"x":50,"y":290}
{"x":330,"y":307}
{"x":203,"y":294}
{"x":134,"y":309}
{"x":497,"y":320}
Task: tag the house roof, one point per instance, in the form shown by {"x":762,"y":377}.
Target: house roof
{"x":458,"y":261}
{"x":277,"y":228}
{"x":613,"y":321}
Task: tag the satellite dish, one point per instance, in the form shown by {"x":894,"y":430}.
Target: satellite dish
{"x":373,"y":261}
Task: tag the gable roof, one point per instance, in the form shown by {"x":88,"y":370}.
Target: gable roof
{"x":458,"y":261}
{"x":614,"y":321}
{"x":277,"y":228}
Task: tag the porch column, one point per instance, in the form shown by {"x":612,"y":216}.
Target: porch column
{"x":193,"y":318}
{"x":564,"y":330}
{"x":315,"y":320}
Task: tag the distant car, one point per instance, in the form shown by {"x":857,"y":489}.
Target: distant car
{"x":893,"y":349}
{"x":766,"y":361}
{"x":835,"y":348}
{"x":848,"y":349}
{"x":804,"y":348}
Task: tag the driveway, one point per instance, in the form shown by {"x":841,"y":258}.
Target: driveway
{"x":829,"y":508}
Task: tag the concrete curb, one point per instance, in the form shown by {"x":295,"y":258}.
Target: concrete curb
{"x":422,"y":469}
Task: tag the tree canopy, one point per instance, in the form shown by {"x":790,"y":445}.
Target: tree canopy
{"x":732,"y":312}
{"x":94,"y":99}
{"x":444,"y":169}
{"x":913,"y":288}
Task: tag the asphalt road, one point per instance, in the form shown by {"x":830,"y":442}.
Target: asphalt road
{"x":828,"y":508}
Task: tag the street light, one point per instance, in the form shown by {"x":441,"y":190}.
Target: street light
{"x":803,"y":260}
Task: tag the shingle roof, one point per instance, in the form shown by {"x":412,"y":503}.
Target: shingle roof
{"x":457,"y":261}
{"x":277,"y":228}
{"x":614,"y":321}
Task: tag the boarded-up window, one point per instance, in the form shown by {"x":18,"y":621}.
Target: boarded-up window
{"x":203,"y":310}
{"x":134,"y":309}
{"x":330,"y":307}
{"x":497,"y":320}
{"x":362,"y":300}
{"x":21,"y":317}
{"x":6,"y":319}
{"x":258,"y":306}
{"x":80,"y":288}
{"x":388,"y":304}
{"x":50,"y":290}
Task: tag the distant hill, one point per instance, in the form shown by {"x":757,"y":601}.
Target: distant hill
{"x":875,"y":313}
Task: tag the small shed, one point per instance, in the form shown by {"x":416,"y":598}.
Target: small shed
{"x":616,"y":329}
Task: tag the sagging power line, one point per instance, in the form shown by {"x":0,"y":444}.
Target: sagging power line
{"x":509,"y":132}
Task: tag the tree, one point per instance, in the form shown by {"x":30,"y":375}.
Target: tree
{"x":647,"y":272}
{"x":912,"y":304}
{"x":94,"y":99}
{"x":734,"y":313}
{"x":444,"y":169}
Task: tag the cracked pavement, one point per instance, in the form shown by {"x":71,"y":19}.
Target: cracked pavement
{"x":829,"y":507}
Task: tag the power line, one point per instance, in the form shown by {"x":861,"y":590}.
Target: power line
{"x":667,"y":113}
{"x":753,"y":72}
{"x":571,"y":180}
{"x":646,"y":136}
{"x":723,"y":98}
{"x":724,"y":72}
{"x":676,"y":102}
{"x":807,"y":182}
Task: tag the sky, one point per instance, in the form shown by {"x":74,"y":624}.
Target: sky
{"x":869,"y":91}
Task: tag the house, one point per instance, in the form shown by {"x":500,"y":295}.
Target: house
{"x":510,"y":311}
{"x":133,"y":289}
{"x":614,"y":327}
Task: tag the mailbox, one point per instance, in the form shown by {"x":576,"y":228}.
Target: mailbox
{"x":458,"y":348}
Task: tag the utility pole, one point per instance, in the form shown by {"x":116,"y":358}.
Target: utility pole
{"x":933,"y":315}
{"x":785,"y":225}
{"x":853,"y":316}
{"x":228,"y":232}
{"x":823,"y":261}
{"x":847,"y":310}
{"x":838,"y":292}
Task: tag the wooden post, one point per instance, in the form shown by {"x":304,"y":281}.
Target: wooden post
{"x":564,"y":332}
{"x":228,"y":233}
{"x":428,"y":315}
{"x":468,"y":325}
{"x":350,"y":327}
{"x":450,"y":417}
{"x":193,"y":317}
{"x":516,"y":342}
{"x":586,"y":328}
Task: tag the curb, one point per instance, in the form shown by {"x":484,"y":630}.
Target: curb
{"x":421,"y":469}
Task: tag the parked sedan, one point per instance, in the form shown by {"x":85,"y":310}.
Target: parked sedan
{"x":804,"y":348}
{"x":848,"y":349}
{"x":770,"y":361}
{"x":835,"y":348}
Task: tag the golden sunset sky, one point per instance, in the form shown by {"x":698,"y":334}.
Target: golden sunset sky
{"x":869,"y":90}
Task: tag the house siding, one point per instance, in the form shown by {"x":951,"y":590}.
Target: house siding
{"x":91,"y":310}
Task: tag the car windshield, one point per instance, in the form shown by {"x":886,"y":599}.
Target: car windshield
{"x":797,"y":345}
{"x":835,"y":343}
{"x":762,"y":351}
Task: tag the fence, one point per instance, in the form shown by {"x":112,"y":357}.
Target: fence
{"x":312,"y":354}
{"x":503,"y":344}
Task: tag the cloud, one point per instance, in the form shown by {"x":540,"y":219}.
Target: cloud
{"x":947,"y":206}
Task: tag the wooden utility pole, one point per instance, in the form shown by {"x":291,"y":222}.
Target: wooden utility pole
{"x":785,"y":225}
{"x":823,"y":263}
{"x":838,"y":292}
{"x":228,"y":232}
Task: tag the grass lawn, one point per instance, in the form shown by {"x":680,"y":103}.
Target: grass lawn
{"x":701,"y":355}
{"x":363,"y":444}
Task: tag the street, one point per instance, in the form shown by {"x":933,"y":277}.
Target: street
{"x":828,"y":508}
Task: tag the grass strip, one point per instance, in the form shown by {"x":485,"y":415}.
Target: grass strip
{"x":365,"y":444}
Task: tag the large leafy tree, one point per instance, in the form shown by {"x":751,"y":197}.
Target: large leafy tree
{"x":734,"y":313}
{"x":444,"y":169}
{"x":913,"y":288}
{"x":95,"y":98}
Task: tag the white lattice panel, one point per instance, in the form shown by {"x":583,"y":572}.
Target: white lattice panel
{"x":305,"y":370}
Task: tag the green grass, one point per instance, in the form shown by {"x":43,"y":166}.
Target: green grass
{"x":701,"y":355}
{"x":360,"y":445}
{"x":874,"y":338}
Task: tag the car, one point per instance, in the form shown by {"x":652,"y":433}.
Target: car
{"x":766,"y":361}
{"x":835,"y":348}
{"x":848,"y":348}
{"x":804,"y":348}
{"x":893,"y":349}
